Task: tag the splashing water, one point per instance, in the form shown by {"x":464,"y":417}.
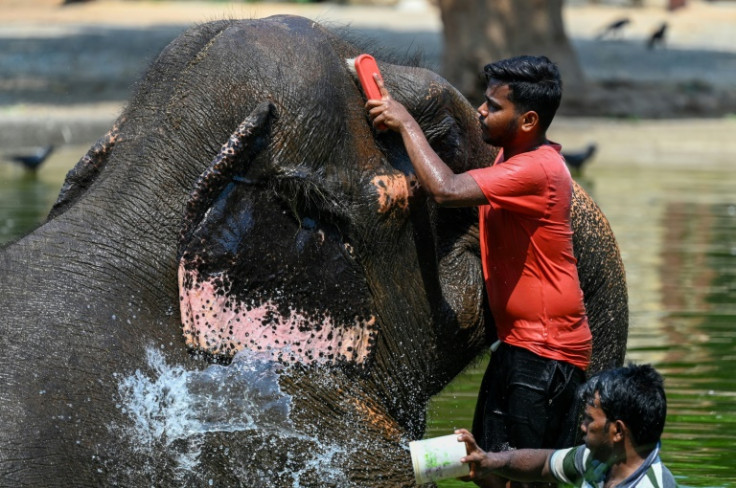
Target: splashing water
{"x":171,"y":411}
{"x":178,"y":403}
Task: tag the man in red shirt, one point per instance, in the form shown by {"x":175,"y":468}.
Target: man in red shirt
{"x":527,"y":397}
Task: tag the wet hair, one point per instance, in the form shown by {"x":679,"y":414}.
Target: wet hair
{"x":534,"y":84}
{"x":633,"y":394}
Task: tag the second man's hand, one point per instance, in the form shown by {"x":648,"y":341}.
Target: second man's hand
{"x":476,"y":458}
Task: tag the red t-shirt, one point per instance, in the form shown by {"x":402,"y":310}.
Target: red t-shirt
{"x":528,"y":262}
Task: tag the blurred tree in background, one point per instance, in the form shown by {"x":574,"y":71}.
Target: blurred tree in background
{"x":477,"y":32}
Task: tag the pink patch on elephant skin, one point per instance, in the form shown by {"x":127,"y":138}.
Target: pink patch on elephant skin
{"x":218,"y":324}
{"x":393,"y":191}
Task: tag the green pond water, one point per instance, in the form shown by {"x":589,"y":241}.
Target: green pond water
{"x":677,"y":233}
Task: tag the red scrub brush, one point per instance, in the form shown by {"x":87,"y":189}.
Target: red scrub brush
{"x":365,"y":67}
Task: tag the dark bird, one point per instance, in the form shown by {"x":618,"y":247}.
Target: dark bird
{"x":614,"y":28}
{"x":32,"y":161}
{"x":576,"y":160}
{"x":657,"y":36}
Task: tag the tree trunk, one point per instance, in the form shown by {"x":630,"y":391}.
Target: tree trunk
{"x":478,"y":32}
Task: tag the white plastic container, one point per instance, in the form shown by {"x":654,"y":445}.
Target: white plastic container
{"x":438,"y":459}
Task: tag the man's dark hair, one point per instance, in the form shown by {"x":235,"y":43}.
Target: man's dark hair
{"x":534,"y":84}
{"x":633,"y":394}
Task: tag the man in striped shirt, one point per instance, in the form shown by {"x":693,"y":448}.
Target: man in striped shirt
{"x":625,"y":410}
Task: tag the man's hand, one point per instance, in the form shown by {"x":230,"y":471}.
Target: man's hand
{"x":526,"y":465}
{"x":388,"y":111}
{"x":481,"y":465}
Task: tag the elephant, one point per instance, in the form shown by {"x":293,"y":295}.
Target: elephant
{"x":243,"y":284}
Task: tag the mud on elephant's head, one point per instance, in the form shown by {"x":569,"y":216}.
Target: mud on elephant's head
{"x":307,"y":238}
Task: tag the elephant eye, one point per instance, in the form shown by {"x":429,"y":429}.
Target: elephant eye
{"x":349,"y":249}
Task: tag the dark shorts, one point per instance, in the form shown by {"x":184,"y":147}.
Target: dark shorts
{"x":527,"y":401}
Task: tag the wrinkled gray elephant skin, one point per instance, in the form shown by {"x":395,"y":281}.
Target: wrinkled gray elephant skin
{"x":242,"y":283}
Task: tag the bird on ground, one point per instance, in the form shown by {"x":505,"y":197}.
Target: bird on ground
{"x":576,"y":160}
{"x":32,"y":161}
{"x":657,"y":36}
{"x":614,"y":29}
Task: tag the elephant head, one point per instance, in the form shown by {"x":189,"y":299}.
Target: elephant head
{"x":244,"y":211}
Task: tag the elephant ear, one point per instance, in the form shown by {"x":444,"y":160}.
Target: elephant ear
{"x":85,"y":172}
{"x":258,"y":273}
{"x":249,"y":139}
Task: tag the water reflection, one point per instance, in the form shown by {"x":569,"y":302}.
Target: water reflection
{"x":24,"y":202}
{"x":677,"y":233}
{"x":698,"y":276}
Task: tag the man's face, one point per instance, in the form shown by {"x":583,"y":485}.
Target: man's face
{"x":597,"y":431}
{"x":499,"y":121}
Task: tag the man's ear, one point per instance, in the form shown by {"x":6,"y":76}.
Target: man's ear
{"x":529,"y":121}
{"x":618,"y":430}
